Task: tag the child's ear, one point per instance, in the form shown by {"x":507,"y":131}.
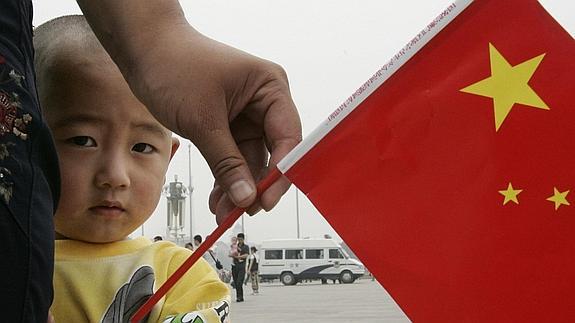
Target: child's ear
{"x":175,"y":145}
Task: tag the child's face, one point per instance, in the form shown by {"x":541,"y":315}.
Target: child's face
{"x":113,"y":155}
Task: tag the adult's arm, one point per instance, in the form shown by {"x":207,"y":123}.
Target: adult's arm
{"x":236,"y":108}
{"x":243,"y":257}
{"x":244,"y":252}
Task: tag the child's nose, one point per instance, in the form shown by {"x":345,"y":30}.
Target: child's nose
{"x":114,"y":173}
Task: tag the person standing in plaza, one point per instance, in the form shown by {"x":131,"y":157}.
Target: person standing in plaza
{"x":239,"y":267}
{"x":197,"y":241}
{"x":209,"y":255}
{"x":189,"y":246}
{"x":253,"y":263}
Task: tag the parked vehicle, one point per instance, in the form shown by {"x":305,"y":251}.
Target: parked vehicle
{"x":295,"y":260}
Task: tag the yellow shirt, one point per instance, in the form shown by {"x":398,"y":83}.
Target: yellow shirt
{"x":109,"y":282}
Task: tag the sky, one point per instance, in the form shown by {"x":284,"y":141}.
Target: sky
{"x":328,"y":48}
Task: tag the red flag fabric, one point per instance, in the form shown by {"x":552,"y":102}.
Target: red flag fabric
{"x":453,"y":180}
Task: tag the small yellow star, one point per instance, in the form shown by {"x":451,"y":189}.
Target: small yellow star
{"x":510,"y":194}
{"x":507,"y":85}
{"x":559,"y":198}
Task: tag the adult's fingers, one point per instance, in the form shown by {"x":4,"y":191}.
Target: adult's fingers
{"x":282,"y":127}
{"x":228,"y":166}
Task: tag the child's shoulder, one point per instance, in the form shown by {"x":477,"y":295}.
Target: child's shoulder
{"x":175,"y":255}
{"x":168,"y":248}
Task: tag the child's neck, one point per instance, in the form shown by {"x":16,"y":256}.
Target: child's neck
{"x":59,"y":236}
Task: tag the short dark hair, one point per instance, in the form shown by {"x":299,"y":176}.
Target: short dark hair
{"x":158,"y":238}
{"x":59,"y":41}
{"x":198,"y":238}
{"x":241,"y":235}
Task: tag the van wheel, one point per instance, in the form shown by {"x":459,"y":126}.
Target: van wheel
{"x":288,"y":279}
{"x":346,"y":277}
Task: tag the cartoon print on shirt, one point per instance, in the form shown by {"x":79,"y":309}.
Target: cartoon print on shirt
{"x":222,"y":310}
{"x":193,"y":317}
{"x":131,"y":296}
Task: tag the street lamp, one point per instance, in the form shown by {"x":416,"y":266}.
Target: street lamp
{"x":190,"y":188}
{"x":175,"y":193}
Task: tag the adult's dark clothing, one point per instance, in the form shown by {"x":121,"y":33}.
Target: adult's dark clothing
{"x":244,"y":249}
{"x":29,"y":175}
{"x":239,"y":271}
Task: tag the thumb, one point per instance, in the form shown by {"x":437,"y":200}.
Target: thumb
{"x":229,"y":167}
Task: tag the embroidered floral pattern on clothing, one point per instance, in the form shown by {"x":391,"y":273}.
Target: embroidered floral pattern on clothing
{"x":13,"y":122}
{"x":16,"y":77}
{"x":10,"y":121}
{"x":5,"y":184}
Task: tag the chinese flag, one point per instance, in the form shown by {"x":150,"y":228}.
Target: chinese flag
{"x":453,"y":178}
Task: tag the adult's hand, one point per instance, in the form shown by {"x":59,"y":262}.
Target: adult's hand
{"x":236,"y":108}
{"x":233,"y":106}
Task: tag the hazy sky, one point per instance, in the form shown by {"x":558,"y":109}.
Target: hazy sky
{"x":329,"y":48}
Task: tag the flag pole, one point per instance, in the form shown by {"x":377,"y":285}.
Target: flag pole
{"x":232,"y":217}
{"x":190,"y":190}
{"x":297,"y":209}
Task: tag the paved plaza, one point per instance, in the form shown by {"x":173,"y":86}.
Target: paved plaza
{"x":363,"y":301}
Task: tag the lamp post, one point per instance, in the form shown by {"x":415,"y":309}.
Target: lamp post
{"x":190,"y":188}
{"x":176,"y":193}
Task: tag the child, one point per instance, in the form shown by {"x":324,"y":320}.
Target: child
{"x":113,"y":156}
{"x":233,"y":247}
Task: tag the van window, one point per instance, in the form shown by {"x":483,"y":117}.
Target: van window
{"x":294,"y":254}
{"x":273,"y":254}
{"x":314,"y":254}
{"x":335,"y":254}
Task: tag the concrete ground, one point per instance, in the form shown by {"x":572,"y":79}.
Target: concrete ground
{"x":363,"y":301}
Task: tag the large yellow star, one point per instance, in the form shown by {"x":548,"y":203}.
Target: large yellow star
{"x":559,"y":198}
{"x":510,"y":194}
{"x":507,"y":85}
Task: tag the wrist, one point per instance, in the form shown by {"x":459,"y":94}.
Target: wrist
{"x":150,"y":75}
{"x":151,"y":50}
{"x":125,"y":35}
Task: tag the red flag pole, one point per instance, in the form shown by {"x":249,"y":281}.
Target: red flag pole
{"x":210,"y":240}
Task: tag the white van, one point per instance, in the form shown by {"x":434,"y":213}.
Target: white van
{"x":293,"y":260}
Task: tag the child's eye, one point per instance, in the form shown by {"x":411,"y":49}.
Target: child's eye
{"x":143,"y":148}
{"x":83,"y":141}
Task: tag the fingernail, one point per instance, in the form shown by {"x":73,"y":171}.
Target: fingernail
{"x":239,"y":191}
